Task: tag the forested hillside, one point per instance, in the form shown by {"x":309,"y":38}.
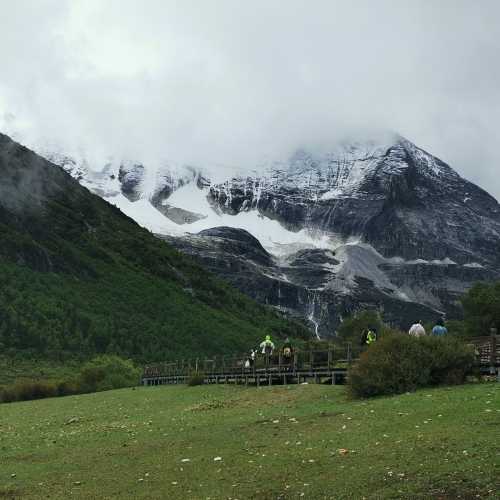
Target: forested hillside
{"x":78,"y":277}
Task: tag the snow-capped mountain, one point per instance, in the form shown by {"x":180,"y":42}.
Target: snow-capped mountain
{"x":365,"y":224}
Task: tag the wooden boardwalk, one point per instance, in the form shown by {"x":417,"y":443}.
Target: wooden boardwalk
{"x":488,"y":354}
{"x":329,"y":365}
{"x":320,"y":366}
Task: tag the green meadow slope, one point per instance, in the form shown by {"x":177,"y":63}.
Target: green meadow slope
{"x":79,"y":278}
{"x":226,"y":442}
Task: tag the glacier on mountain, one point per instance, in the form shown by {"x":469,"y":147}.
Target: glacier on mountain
{"x":379,"y":224}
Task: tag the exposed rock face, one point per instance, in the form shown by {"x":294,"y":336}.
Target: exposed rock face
{"x":313,"y":284}
{"x":384,"y":226}
{"x":402,"y":201}
{"x":130,"y":180}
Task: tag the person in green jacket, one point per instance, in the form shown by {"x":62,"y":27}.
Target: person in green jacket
{"x":371,"y":336}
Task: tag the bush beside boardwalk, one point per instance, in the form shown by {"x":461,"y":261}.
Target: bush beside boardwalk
{"x":400,"y":363}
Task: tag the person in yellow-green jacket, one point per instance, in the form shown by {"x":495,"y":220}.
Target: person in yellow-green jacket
{"x":267,"y":349}
{"x":371,"y":336}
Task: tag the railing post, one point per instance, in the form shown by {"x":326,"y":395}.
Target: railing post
{"x":493,"y":354}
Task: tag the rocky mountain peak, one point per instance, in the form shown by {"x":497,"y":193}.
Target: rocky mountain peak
{"x":379,"y":223}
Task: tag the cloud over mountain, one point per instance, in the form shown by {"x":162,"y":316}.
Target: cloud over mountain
{"x":226,"y":82}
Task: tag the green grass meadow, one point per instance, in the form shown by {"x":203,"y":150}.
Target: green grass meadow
{"x":226,"y":442}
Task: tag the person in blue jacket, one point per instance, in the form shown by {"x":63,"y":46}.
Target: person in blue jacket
{"x":439,"y":330}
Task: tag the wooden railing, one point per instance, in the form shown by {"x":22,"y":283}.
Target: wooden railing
{"x":487,"y":350}
{"x":313,"y":361}
{"x":301,"y":360}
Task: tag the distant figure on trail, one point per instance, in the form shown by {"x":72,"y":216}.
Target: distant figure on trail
{"x":417,"y":330}
{"x":371,"y":336}
{"x":267,"y":349}
{"x":287,"y":352}
{"x":267,"y":346}
{"x":287,"y":349}
{"x":250,"y":361}
{"x":439,"y":330}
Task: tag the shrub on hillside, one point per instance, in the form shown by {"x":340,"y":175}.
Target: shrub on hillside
{"x":108,"y":372}
{"x":100,"y":374}
{"x":399,"y":363}
{"x":25,"y":390}
{"x":196,"y":378}
{"x":67,"y":388}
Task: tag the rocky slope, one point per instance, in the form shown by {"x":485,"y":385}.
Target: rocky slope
{"x":374,"y":224}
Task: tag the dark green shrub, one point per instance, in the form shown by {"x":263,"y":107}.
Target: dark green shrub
{"x":66,"y":388}
{"x":196,"y":378}
{"x":450,"y":360}
{"x":25,"y":390}
{"x":7,"y":394}
{"x":399,"y":363}
{"x":100,"y":374}
{"x":108,"y":372}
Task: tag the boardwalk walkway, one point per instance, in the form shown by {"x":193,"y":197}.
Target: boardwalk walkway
{"x":327,"y":365}
{"x":320,"y":366}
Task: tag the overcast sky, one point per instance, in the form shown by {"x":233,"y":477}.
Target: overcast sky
{"x":231,"y":81}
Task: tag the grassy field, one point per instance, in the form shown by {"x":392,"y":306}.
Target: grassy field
{"x":224,"y":442}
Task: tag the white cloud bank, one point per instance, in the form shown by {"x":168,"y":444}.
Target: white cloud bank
{"x":230,"y":82}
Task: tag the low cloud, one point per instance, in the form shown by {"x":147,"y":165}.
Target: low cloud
{"x":230,"y":82}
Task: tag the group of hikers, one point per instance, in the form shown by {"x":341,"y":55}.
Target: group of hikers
{"x":370,"y":335}
{"x":267,"y":348}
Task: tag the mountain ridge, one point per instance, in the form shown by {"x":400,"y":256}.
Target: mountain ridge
{"x":408,"y":231}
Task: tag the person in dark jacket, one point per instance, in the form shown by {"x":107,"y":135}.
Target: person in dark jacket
{"x":287,"y":352}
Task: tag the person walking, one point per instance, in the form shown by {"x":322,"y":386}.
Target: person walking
{"x":267,"y":348}
{"x":417,"y":330}
{"x":287,"y":353}
{"x":250,"y":361}
{"x":371,"y":336}
{"x":439,"y":330}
